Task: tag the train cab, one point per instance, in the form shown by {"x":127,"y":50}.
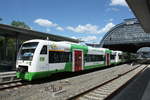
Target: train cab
{"x":25,"y":56}
{"x":26,"y":59}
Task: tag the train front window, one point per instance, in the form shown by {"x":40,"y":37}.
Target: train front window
{"x":27,"y":50}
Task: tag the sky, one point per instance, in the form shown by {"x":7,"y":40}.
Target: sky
{"x":87,"y":20}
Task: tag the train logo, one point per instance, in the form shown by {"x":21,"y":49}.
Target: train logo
{"x":53,"y":46}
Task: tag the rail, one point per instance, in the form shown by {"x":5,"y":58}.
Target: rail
{"x":108,"y":89}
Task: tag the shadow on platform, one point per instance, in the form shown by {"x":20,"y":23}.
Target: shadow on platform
{"x":138,"y":89}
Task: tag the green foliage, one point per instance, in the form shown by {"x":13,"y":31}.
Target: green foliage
{"x":7,"y":54}
{"x":20,"y":24}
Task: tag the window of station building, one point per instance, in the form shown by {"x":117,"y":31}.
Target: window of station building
{"x":112,"y":57}
{"x":93,"y":58}
{"x":59,"y":57}
{"x":44,"y":50}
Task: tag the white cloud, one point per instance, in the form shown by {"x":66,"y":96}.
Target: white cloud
{"x":118,"y":2}
{"x":86,"y":38}
{"x":59,"y":28}
{"x":45,"y":23}
{"x":88,"y":28}
{"x":74,"y":37}
{"x":112,"y":9}
{"x":106,"y":28}
{"x":48,"y":24}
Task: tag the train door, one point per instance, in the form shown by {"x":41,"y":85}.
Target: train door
{"x":78,"y":60}
{"x":107,"y":60}
{"x":43,"y":59}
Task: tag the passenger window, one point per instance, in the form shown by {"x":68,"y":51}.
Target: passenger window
{"x":44,"y":50}
{"x":59,"y":57}
{"x":93,"y":58}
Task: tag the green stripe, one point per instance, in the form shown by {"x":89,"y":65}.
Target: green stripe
{"x":35,"y":75}
{"x":115,"y":63}
{"x":84,"y":48}
{"x":94,"y":66}
{"x":108,"y":51}
{"x":68,"y":67}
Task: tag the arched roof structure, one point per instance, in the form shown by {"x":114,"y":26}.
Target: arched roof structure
{"x":127,"y":36}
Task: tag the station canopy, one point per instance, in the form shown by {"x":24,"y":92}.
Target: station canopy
{"x":26,"y":34}
{"x":141,"y":9}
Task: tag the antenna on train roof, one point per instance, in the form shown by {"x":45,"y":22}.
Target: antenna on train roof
{"x":47,"y":38}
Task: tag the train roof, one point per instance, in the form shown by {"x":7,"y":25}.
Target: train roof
{"x":35,"y":40}
{"x":66,"y":42}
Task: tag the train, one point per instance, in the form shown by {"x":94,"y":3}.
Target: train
{"x":143,"y":57}
{"x":41,"y":58}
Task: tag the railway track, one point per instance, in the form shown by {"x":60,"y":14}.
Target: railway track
{"x":110,"y":88}
{"x":11,"y":85}
{"x":8,"y":80}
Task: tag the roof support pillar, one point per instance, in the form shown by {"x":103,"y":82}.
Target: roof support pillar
{"x":5,"y":47}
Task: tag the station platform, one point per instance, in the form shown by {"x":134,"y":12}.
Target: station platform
{"x":138,"y":89}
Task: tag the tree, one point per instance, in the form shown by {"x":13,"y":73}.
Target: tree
{"x":20,"y":24}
